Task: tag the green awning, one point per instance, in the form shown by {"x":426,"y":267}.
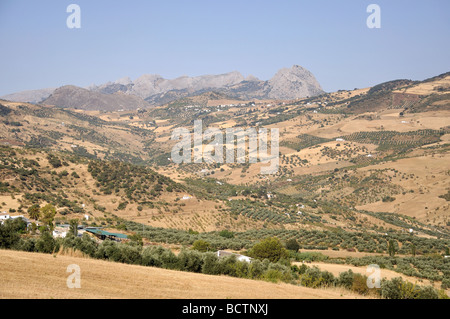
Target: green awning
{"x":97,"y":231}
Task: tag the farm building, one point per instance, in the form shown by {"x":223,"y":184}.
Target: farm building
{"x":5,"y":216}
{"x":223,"y":253}
{"x":102,"y":234}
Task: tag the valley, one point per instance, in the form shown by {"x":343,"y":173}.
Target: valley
{"x":358,"y":170}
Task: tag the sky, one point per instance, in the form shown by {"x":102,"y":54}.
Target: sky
{"x":173,"y":38}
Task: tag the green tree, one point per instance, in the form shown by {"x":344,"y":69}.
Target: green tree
{"x":346,"y":279}
{"x":359,"y":284}
{"x":75,"y":175}
{"x":201,"y":245}
{"x":54,"y":161}
{"x":34,"y":212}
{"x":136,"y":239}
{"x":10,"y":230}
{"x":270,"y":248}
{"x":73,"y":229}
{"x":46,"y":243}
{"x":226,"y":233}
{"x":391,"y":248}
{"x":48,"y":213}
{"x":33,"y":228}
{"x":292,"y":244}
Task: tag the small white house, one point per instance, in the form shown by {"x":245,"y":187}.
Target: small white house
{"x":59,"y":234}
{"x":185,"y":197}
{"x":20,"y":216}
{"x":223,"y":253}
{"x":340,"y":140}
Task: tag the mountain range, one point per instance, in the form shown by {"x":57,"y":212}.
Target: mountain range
{"x":150,"y":89}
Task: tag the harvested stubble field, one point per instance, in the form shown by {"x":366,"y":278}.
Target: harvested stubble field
{"x":42,"y":276}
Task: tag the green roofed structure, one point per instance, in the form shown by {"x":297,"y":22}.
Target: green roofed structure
{"x":103,"y":234}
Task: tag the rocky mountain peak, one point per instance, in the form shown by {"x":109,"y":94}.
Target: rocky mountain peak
{"x":292,"y":83}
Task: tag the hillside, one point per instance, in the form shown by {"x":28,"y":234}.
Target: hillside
{"x":78,"y":98}
{"x":287,"y":83}
{"x":359,"y":171}
{"x":33,"y":275}
{"x":348,"y":169}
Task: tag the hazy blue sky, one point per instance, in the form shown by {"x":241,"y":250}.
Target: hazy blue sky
{"x":174,"y":38}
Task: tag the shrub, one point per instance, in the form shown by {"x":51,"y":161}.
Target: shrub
{"x":9,"y":232}
{"x":309,"y":256}
{"x":269,"y":248}
{"x":346,"y":279}
{"x":190,"y":260}
{"x":227,"y":265}
{"x":75,"y":175}
{"x":201,"y":245}
{"x":293,"y":245}
{"x":273,"y":275}
{"x":54,"y":161}
{"x":151,"y":256}
{"x":359,"y":284}
{"x":241,"y":268}
{"x":210,"y":264}
{"x":122,"y":205}
{"x":428,"y":292}
{"x":315,"y":278}
{"x":445,"y":283}
{"x":399,"y":289}
{"x":136,"y":239}
{"x":226,"y":233}
{"x":302,"y":269}
{"x":26,"y":245}
{"x":46,"y":243}
{"x":256,"y":269}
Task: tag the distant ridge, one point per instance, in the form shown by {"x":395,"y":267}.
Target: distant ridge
{"x":70,"y":96}
{"x":288,"y":83}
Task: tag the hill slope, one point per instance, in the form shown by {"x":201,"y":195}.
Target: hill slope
{"x":33,"y":275}
{"x":288,"y":83}
{"x":78,"y":98}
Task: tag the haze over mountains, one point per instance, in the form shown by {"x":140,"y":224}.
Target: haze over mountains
{"x":150,"y":89}
{"x":70,"y":96}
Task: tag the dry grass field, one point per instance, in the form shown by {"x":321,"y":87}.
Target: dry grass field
{"x":336,"y":269}
{"x":41,"y":276}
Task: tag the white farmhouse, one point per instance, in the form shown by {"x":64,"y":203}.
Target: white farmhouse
{"x":223,"y":253}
